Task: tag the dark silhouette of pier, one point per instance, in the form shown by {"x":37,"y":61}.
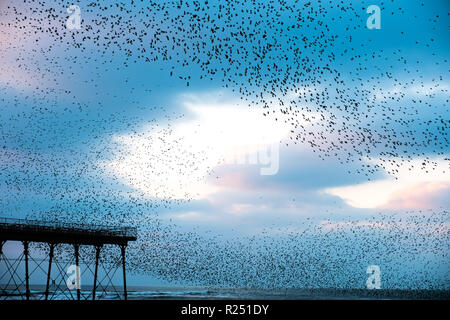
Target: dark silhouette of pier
{"x":56,"y":233}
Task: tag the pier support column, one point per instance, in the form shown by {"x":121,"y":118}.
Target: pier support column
{"x":50,"y":259}
{"x":27,"y":280}
{"x":124,"y":273}
{"x":77,"y":269}
{"x":2,"y":242}
{"x":97,"y":257}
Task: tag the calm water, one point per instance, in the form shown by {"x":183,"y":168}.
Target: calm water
{"x":145,"y":293}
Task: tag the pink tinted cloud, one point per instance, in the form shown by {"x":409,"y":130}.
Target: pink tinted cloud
{"x":232,"y":177}
{"x":421,"y":195}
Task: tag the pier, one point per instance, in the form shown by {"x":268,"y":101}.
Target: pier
{"x":57,"y":234}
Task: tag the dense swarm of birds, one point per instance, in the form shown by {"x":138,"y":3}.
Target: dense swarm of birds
{"x":331,"y":254}
{"x":339,"y":95}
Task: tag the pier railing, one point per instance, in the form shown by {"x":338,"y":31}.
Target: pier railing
{"x":37,"y":225}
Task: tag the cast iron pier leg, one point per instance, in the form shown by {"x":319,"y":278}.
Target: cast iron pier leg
{"x":124,"y":273}
{"x":76,"y":271}
{"x":2,"y":242}
{"x":97,"y":257}
{"x":50,"y":258}
{"x":27,"y":282}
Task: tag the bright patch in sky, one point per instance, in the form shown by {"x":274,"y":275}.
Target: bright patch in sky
{"x":380,"y":193}
{"x":172,"y":161}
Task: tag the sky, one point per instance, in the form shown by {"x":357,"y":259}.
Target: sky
{"x":197,"y":151}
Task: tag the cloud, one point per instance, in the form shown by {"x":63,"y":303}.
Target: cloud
{"x":174,"y":160}
{"x":22,"y":74}
{"x":422,"y":195}
{"x":427,"y":89}
{"x":412,"y":186}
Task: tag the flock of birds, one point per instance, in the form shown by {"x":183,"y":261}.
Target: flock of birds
{"x":339,"y":95}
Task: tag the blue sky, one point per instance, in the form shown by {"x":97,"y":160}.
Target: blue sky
{"x":85,"y":137}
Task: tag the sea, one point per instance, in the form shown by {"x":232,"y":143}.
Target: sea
{"x":37,"y":292}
